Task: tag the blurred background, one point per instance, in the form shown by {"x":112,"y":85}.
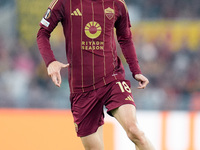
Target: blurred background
{"x":166,"y":36}
{"x":167,"y":40}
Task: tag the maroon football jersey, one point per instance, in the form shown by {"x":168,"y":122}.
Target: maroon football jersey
{"x":88,"y":27}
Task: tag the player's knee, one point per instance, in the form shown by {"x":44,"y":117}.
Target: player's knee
{"x":136,"y":135}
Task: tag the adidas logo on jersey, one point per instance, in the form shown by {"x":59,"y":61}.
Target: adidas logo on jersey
{"x":76,"y":13}
{"x":129,"y":98}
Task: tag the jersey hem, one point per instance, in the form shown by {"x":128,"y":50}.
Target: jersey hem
{"x":97,"y":85}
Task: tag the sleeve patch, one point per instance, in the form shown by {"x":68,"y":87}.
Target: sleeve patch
{"x":45,"y":23}
{"x":48,"y":14}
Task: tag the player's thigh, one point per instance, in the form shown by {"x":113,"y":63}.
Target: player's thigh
{"x":119,"y":94}
{"x":94,"y":141}
{"x":87,"y":110}
{"x":125,"y":115}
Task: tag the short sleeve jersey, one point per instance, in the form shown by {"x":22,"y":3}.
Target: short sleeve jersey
{"x":88,"y":27}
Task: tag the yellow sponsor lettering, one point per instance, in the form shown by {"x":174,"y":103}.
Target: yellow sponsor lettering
{"x":97,"y":47}
{"x":90,"y":48}
{"x":92,"y":45}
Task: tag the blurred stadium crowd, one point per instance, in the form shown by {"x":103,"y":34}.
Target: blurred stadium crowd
{"x":167,"y":9}
{"x":173,"y":71}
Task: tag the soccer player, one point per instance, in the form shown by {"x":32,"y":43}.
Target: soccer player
{"x":96,"y":75}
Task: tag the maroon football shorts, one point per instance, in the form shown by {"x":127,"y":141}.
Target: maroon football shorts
{"x":87,"y":108}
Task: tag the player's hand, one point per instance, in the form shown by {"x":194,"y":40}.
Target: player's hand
{"x":53,"y":71}
{"x":143,"y":81}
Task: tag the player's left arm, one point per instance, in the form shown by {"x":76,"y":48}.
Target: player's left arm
{"x":124,"y":37}
{"x":143,"y":81}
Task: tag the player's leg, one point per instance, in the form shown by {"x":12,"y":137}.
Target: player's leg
{"x":87,"y":110}
{"x":136,"y":147}
{"x":94,"y":141}
{"x":126,"y":116}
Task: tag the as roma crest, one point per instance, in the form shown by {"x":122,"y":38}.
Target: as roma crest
{"x":109,"y":12}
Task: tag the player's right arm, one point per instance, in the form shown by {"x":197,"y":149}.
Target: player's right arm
{"x":55,"y":13}
{"x":54,"y":69}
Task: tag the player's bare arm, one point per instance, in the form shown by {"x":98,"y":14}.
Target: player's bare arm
{"x":54,"y":69}
{"x":143,"y":81}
